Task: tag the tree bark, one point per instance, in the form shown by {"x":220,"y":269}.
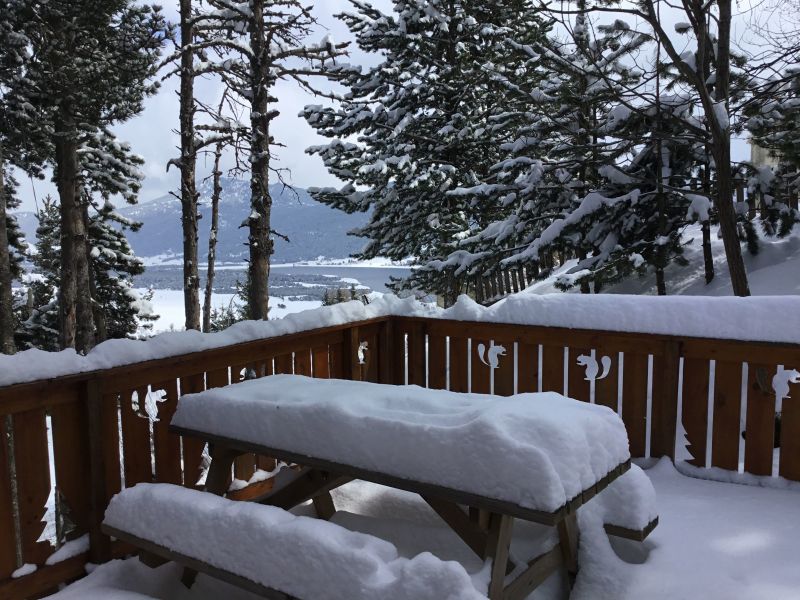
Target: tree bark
{"x":212,"y":238}
{"x":191,"y":279}
{"x":721,"y":135}
{"x":76,"y":319}
{"x":259,"y":240}
{"x":7,"y":327}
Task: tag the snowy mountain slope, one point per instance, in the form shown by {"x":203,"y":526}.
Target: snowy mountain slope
{"x":313,"y":229}
{"x":775,"y":270}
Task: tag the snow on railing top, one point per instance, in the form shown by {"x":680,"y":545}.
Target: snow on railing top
{"x":760,"y":318}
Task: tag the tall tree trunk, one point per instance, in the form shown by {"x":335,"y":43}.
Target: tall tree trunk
{"x":76,"y":319}
{"x":212,"y":238}
{"x":260,"y":201}
{"x":100,"y":320}
{"x":721,"y":134}
{"x":191,"y":279}
{"x":6,"y":300}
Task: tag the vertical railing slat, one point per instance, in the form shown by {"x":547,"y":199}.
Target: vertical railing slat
{"x":481,"y":369}
{"x":135,"y":440}
{"x":760,"y":420}
{"x":528,"y":368}
{"x":790,"y":435}
{"x":606,"y":390}
{"x":167,"y":445}
{"x":458,"y":364}
{"x":695,"y":407}
{"x":579,"y":387}
{"x":553,"y":369}
{"x":437,"y":362}
{"x":70,"y":422}
{"x":727,"y":412}
{"x":31,"y":459}
{"x":634,"y":401}
{"x":666,"y":372}
{"x":192,"y":447}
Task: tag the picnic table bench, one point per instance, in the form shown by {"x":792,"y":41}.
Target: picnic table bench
{"x":478,"y":461}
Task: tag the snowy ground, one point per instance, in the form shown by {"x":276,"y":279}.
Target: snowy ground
{"x":714,"y":540}
{"x":773,"y":271}
{"x":168,"y":304}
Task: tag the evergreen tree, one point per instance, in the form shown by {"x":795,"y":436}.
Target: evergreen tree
{"x":90,"y":68}
{"x":419,"y":125}
{"x":558,"y":108}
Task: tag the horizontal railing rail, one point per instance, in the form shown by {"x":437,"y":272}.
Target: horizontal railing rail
{"x":71,"y":442}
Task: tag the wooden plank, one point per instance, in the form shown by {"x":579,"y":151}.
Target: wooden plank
{"x":196,"y":565}
{"x":284,"y":363}
{"x":458,"y":364}
{"x":8,"y":552}
{"x":437,"y":362}
{"x":498,"y":546}
{"x":192,"y":447}
{"x":104,"y":464}
{"x":579,"y":388}
{"x":790,"y":434}
{"x":135,"y":440}
{"x":166,"y":444}
{"x":351,"y":368}
{"x":70,"y":423}
{"x":370,"y":370}
{"x":504,"y":373}
{"x":386,"y":359}
{"x":759,"y":433}
{"x":695,"y":407}
{"x":481,"y":369}
{"x":664,"y":411}
{"x":539,"y":569}
{"x":634,"y":401}
{"x":418,"y":487}
{"x":32,"y":462}
{"x":320,"y":366}
{"x":336,"y":361}
{"x":637,"y":535}
{"x":302,"y":362}
{"x":458,"y":520}
{"x":553,"y":369}
{"x":606,"y":390}
{"x":417,"y":361}
{"x":217,"y":378}
{"x":44,"y":579}
{"x":528,"y":368}
{"x":727,"y":412}
{"x":568,"y":540}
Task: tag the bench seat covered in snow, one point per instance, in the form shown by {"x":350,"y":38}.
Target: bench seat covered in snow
{"x":274,"y":553}
{"x":531,"y":454}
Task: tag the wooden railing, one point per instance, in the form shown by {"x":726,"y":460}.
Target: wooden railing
{"x":103,"y":437}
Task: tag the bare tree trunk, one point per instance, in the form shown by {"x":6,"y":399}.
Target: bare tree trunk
{"x":212,"y":237}
{"x":191,"y":279}
{"x":722,"y":157}
{"x":260,"y":201}
{"x":66,"y":174}
{"x":6,"y":299}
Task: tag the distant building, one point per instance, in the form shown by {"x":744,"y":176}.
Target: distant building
{"x":761,"y":156}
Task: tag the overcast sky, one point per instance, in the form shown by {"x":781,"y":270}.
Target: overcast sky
{"x":152,"y":134}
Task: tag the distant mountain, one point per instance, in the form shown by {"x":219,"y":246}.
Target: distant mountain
{"x":313,"y":229}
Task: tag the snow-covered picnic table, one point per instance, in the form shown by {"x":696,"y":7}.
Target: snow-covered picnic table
{"x":479,"y":461}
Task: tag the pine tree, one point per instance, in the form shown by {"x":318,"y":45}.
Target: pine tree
{"x":260,"y":43}
{"x":90,"y":68}
{"x":419,"y":125}
{"x":556,"y":108}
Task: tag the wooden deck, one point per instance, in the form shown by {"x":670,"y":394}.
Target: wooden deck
{"x":644,"y":379}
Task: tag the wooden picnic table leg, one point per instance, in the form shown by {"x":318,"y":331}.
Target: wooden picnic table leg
{"x":568,"y":539}
{"x":497,"y":549}
{"x":218,"y":480}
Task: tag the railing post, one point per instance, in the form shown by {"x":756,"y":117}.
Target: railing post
{"x":99,"y":543}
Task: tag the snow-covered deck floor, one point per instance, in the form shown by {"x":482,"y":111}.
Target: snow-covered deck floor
{"x":714,"y":540}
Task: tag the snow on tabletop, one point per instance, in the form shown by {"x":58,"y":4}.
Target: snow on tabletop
{"x":759,"y":318}
{"x":301,"y":556}
{"x":534,"y":450}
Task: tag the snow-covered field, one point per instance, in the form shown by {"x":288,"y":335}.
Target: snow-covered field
{"x":168,"y":305}
{"x":717,"y":541}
